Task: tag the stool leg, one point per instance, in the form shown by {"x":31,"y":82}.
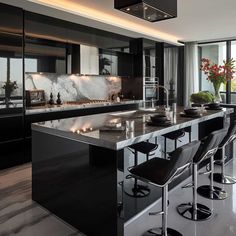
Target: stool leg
{"x":165,"y":147}
{"x":189,"y":137}
{"x":147,"y":157}
{"x":210,"y":191}
{"x":164,"y":209}
{"x":163,"y":231}
{"x":221,"y":177}
{"x":194,"y":211}
{"x":175,"y":143}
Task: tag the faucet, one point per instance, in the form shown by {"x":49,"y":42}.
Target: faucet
{"x":156,"y":86}
{"x":167,"y":95}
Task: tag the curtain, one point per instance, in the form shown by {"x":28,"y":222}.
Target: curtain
{"x":191,"y":78}
{"x":171,"y":69}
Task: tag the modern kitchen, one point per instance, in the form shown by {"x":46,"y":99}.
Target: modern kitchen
{"x":116,"y":120}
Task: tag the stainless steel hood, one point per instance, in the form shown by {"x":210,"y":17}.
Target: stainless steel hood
{"x":150,"y":10}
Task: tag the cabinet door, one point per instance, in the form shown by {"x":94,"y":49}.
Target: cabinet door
{"x":44,"y":56}
{"x":11,"y":19}
{"x":11,"y":128}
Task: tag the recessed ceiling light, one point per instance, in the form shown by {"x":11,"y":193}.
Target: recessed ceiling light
{"x":145,"y":8}
{"x":128,"y":9}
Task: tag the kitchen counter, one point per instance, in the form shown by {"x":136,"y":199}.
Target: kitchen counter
{"x":87,"y":129}
{"x":79,"y":172}
{"x":68,"y":107}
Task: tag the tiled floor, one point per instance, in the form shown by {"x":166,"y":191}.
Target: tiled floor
{"x":222,"y":223}
{"x":22,"y":217}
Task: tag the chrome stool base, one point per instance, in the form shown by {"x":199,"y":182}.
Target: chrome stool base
{"x":158,"y":231}
{"x":216,"y":194}
{"x":223,"y":179}
{"x":138,"y":191}
{"x":202,"y":212}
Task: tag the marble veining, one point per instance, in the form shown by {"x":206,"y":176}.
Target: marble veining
{"x":21,"y":216}
{"x":74,"y":87}
{"x":87,"y":128}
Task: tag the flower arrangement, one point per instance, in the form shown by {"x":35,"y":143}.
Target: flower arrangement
{"x":9,"y":87}
{"x":218,"y":74}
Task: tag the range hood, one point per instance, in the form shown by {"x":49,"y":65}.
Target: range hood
{"x":150,"y":10}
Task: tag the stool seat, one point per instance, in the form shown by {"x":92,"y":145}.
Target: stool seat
{"x":175,"y":134}
{"x":144,"y":147}
{"x":153,"y":170}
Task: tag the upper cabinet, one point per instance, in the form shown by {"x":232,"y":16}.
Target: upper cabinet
{"x":89,"y":51}
{"x":45,"y":56}
{"x":11,"y":19}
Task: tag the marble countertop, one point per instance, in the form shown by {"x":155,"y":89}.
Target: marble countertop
{"x":87,"y":129}
{"x":68,"y":107}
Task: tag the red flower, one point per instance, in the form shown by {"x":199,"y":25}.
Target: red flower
{"x":220,"y":73}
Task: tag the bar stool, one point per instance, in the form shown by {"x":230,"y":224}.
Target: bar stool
{"x":160,"y":172}
{"x":221,"y":177}
{"x":196,"y":211}
{"x":175,"y":135}
{"x":146,"y":148}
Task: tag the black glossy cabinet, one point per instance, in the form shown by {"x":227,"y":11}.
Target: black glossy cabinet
{"x":42,"y":55}
{"x":11,"y":19}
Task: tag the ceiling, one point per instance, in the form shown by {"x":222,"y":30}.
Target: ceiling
{"x":198,"y":20}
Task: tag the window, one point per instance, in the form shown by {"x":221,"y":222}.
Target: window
{"x":233,"y":82}
{"x":216,"y":52}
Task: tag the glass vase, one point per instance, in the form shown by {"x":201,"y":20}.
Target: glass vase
{"x":216,"y":86}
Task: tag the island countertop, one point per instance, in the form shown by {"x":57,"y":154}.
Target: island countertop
{"x":88,"y":129}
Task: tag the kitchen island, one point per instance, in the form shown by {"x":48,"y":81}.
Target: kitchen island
{"x":79,"y":169}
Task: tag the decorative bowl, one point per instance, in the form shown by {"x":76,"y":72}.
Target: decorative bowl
{"x":158,"y":118}
{"x":191,"y":111}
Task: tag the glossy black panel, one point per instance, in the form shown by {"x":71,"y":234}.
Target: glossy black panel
{"x":11,"y":19}
{"x":77,"y":182}
{"x":45,"y":56}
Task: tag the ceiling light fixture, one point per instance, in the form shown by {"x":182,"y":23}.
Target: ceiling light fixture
{"x":151,"y":10}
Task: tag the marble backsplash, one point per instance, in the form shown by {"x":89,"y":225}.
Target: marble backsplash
{"x":74,"y":87}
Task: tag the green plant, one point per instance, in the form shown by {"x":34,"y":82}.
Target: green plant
{"x":202,"y":97}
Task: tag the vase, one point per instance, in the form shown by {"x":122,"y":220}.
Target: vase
{"x":216,"y":86}
{"x":7,"y":96}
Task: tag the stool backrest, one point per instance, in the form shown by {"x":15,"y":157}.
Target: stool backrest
{"x":181,"y":160}
{"x":209,"y":147}
{"x":230,"y":136}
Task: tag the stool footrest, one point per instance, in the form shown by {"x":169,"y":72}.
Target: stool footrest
{"x":189,"y":185}
{"x":156,"y":213}
{"x":205,"y":172}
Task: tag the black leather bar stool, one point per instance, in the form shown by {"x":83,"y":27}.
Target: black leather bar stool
{"x":175,"y":135}
{"x":221,"y":177}
{"x":160,"y":172}
{"x":146,"y":148}
{"x":193,"y":210}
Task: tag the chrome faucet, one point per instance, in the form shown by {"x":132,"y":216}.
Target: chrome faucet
{"x":167,"y":95}
{"x":156,"y":86}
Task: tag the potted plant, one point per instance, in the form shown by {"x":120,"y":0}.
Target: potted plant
{"x":218,"y":74}
{"x":202,"y":97}
{"x":9,"y":87}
